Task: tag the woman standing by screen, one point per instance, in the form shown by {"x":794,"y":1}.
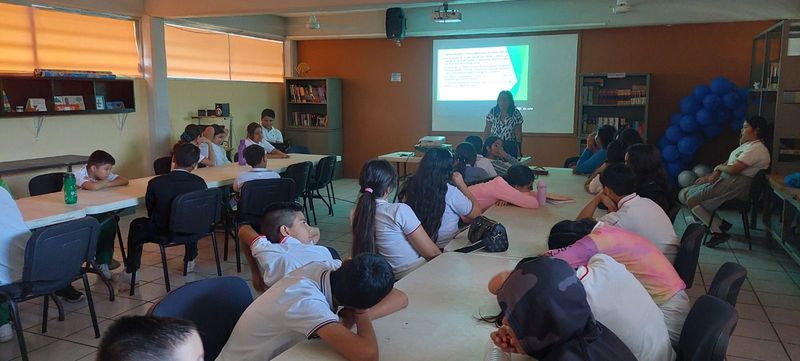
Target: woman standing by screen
{"x":505,"y":122}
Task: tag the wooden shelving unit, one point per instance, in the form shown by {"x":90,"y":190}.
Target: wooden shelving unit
{"x":314,"y":114}
{"x":618,"y":99}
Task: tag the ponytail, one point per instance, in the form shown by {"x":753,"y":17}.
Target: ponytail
{"x":190,"y":133}
{"x":376,"y":179}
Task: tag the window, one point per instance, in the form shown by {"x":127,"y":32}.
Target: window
{"x":202,"y":54}
{"x":40,"y":38}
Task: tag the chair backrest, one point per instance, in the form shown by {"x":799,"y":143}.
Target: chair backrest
{"x":256,"y":195}
{"x":298,"y":149}
{"x":673,"y":212}
{"x":162,"y":165}
{"x":757,"y":186}
{"x":57,"y":253}
{"x":195,"y":212}
{"x":299,"y":173}
{"x":46,"y":183}
{"x":707,"y":330}
{"x":214,"y":305}
{"x":689,"y":252}
{"x":727,"y":282}
{"x":324,"y":173}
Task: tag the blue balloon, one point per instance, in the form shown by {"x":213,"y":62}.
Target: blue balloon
{"x":689,"y":144}
{"x":703,"y":117}
{"x":687,"y":160}
{"x":712,"y":101}
{"x":700,"y":92}
{"x":736,"y":126}
{"x":673,"y":169}
{"x":731,"y":100}
{"x":721,"y":85}
{"x":675,"y":119}
{"x":662,"y":142}
{"x":738,"y":114}
{"x":674,"y":134}
{"x":712,"y":131}
{"x":743,"y":93}
{"x":689,"y":105}
{"x":670,"y":153}
{"x":722,"y":115}
{"x":688,"y":124}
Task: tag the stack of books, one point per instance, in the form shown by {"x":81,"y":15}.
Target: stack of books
{"x":307,"y":94}
{"x":308,"y":120}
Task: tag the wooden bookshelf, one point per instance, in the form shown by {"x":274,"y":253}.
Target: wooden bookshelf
{"x":314,"y":114}
{"x":617,"y":99}
{"x":19,"y":89}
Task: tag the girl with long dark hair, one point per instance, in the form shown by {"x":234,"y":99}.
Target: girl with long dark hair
{"x":466,"y":156}
{"x":438,"y":204}
{"x":651,"y":178}
{"x":389,"y":229}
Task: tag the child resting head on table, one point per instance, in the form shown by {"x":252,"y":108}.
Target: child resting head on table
{"x":516,"y":187}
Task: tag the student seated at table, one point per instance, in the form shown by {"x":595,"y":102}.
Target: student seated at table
{"x":193,"y":134}
{"x":13,"y":239}
{"x":614,"y":154}
{"x":161,"y":191}
{"x":465,"y":158}
{"x":577,"y":241}
{"x":629,"y":137}
{"x":545,"y":314}
{"x":729,"y":180}
{"x":216,"y":134}
{"x":255,"y":136}
{"x":256,"y":158}
{"x":481,"y":161}
{"x":150,"y":338}
{"x":630,"y":211}
{"x":494,"y":151}
{"x":513,"y":188}
{"x":96,"y":175}
{"x":595,"y":153}
{"x":389,"y":229}
{"x":651,"y":178}
{"x":438,"y":203}
{"x":304,"y":304}
{"x":287,"y":243}
{"x":271,"y":134}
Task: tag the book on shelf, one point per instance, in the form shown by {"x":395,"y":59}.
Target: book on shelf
{"x":592,"y":94}
{"x":307,"y":94}
{"x":308,"y":120}
{"x":590,"y":124}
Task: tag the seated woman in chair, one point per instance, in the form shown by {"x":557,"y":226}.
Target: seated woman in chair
{"x":729,"y":180}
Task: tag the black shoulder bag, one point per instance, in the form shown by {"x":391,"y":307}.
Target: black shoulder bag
{"x":486,"y":234}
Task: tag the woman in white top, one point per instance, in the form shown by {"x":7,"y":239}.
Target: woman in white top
{"x":438,"y":203}
{"x":216,"y":134}
{"x":389,"y":229}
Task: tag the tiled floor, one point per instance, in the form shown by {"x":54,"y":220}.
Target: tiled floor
{"x":768,"y":306}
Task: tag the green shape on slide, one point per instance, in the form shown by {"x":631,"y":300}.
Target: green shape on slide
{"x":519,"y":56}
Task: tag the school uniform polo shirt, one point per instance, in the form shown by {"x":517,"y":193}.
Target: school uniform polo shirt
{"x":393,"y":222}
{"x":456,"y":204}
{"x":82,"y":176}
{"x":273,"y":135}
{"x":268,"y":148}
{"x":253,"y":174}
{"x":13,"y":239}
{"x":485,"y":164}
{"x":290,"y":311}
{"x":220,"y":158}
{"x":276,"y":260}
{"x":644,"y":217}
{"x":754,"y":154}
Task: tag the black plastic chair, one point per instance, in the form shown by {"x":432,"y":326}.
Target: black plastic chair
{"x":162,"y":165}
{"x":322,"y":177}
{"x":298,"y":149}
{"x":728,"y":282}
{"x":54,"y":257}
{"x":689,"y":252}
{"x":214,"y":305}
{"x":569,"y":162}
{"x":254,"y":197}
{"x":300,"y":174}
{"x":46,"y":183}
{"x":192,"y":217}
{"x":707,"y":330}
{"x":747,"y":208}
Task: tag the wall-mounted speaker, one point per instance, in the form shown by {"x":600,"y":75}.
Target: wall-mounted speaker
{"x":395,"y":24}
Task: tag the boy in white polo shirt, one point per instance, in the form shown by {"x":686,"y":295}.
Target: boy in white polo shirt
{"x":287,"y":243}
{"x":271,"y":134}
{"x":305,"y":303}
{"x":256,"y":157}
{"x":630,"y":211}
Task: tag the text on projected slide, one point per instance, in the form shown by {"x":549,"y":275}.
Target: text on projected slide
{"x":481,"y":73}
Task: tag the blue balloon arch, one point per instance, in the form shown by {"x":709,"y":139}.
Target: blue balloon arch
{"x":702,"y":117}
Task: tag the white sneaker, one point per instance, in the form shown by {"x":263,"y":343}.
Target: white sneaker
{"x":6,"y":333}
{"x":103,"y":268}
{"x":190,"y":266}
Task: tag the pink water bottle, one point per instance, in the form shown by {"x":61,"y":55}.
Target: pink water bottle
{"x":242,"y":161}
{"x":541,"y":192}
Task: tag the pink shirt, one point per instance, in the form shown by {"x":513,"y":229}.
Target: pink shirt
{"x":640,"y":257}
{"x":498,"y":189}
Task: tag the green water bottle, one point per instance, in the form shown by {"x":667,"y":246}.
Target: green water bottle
{"x":70,"y":189}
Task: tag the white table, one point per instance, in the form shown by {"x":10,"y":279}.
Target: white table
{"x":528,"y":228}
{"x":444,"y":298}
{"x":48,"y":209}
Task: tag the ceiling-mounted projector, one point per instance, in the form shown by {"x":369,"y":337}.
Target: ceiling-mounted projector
{"x":621,"y":7}
{"x":445,"y":15}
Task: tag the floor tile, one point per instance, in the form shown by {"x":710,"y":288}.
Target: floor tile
{"x":776,"y":286}
{"x":782,"y":301}
{"x":755,"y":329}
{"x":111,"y":310}
{"x":783,"y":315}
{"x":86,"y":335}
{"x":747,"y":297}
{"x":756,"y":349}
{"x":788,"y":333}
{"x":10,"y":350}
{"x":794,"y":352}
{"x":73,"y":322}
{"x":751,"y":312}
{"x":61,"y":350}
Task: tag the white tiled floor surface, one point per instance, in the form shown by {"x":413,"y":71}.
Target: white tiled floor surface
{"x":768,"y":306}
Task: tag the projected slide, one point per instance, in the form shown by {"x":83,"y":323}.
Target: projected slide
{"x":477,"y":73}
